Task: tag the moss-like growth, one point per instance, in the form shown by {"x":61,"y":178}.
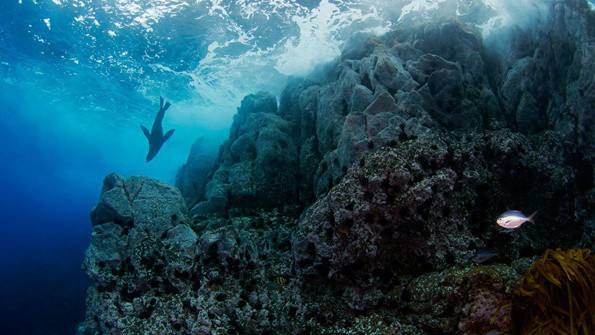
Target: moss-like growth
{"x":557,"y":295}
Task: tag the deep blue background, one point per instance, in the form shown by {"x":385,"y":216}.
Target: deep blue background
{"x":45,"y":225}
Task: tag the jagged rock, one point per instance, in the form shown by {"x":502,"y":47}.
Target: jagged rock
{"x":115,"y":202}
{"x":418,"y":205}
{"x":139,"y":258}
{"x":233,"y":276}
{"x":517,"y":80}
{"x":138,"y":201}
{"x":391,"y":206}
{"x":528,"y":116}
{"x":107,"y":250}
{"x":331,"y":111}
{"x":457,"y":43}
{"x":390,"y":74}
{"x":192,"y":177}
{"x":554,"y":73}
{"x":395,"y":89}
{"x":360,"y":99}
{"x":258,"y":164}
{"x":447,"y":301}
{"x":447,"y":96}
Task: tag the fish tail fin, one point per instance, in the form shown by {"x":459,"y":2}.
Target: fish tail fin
{"x":530,"y":218}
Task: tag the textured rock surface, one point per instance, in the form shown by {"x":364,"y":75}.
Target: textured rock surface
{"x":192,"y":177}
{"x":408,"y":83}
{"x":356,"y":203}
{"x":155,"y":272}
{"x":424,"y":204}
{"x":141,"y":244}
{"x":257,"y":165}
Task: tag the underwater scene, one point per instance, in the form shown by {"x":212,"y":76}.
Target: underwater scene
{"x":331,"y":167}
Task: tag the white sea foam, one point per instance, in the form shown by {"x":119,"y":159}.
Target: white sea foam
{"x":311,"y":36}
{"x":48,"y":23}
{"x":509,"y":13}
{"x":244,"y":45}
{"x":417,"y":6}
{"x":322,"y":34}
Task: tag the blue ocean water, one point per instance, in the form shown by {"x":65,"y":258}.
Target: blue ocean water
{"x":78,"y":77}
{"x":43,"y":231}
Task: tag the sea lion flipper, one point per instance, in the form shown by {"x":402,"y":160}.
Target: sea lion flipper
{"x":168,"y":135}
{"x":145,"y":131}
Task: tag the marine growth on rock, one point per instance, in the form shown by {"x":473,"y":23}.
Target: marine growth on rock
{"x":355,"y":205}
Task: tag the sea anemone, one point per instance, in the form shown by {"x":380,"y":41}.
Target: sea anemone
{"x":557,"y":295}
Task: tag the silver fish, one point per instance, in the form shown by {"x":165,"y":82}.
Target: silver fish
{"x":514,"y":219}
{"x":484,"y":255}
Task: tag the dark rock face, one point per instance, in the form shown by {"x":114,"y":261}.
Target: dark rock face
{"x":155,"y":272}
{"x":387,"y":213}
{"x":549,"y":82}
{"x":383,"y":98}
{"x":400,"y":157}
{"x":192,"y":177}
{"x":141,"y":245}
{"x":422,"y":205}
{"x":404,"y":85}
{"x":257,"y":166}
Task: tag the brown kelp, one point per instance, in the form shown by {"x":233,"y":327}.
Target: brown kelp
{"x":557,"y":295}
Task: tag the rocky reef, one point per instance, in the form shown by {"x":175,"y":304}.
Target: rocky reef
{"x":356,"y":203}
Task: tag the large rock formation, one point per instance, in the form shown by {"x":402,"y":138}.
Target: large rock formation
{"x":192,"y":177}
{"x":399,"y":156}
{"x":142,"y":247}
{"x":424,"y":204}
{"x":257,"y":166}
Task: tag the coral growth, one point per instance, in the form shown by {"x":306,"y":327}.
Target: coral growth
{"x":488,"y":310}
{"x":557,"y":295}
{"x":469,"y":300}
